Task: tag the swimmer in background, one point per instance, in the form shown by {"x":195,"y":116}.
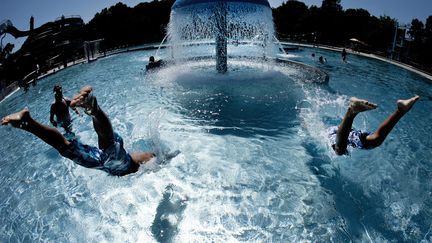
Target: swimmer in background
{"x":343,"y":136}
{"x":322,"y":59}
{"x":153,"y":64}
{"x":60,"y":110}
{"x":344,"y":55}
{"x":109,"y":156}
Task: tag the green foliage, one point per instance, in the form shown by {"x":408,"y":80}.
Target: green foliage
{"x":121,"y":25}
{"x":416,"y":30}
{"x":290,"y":14}
{"x":428,"y":27}
{"x":421,"y":46}
{"x":330,"y":24}
{"x":331,"y":5}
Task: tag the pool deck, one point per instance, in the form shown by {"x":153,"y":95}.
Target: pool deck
{"x":13,"y":88}
{"x":400,"y":64}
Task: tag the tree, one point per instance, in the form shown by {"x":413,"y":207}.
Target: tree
{"x":121,"y":25}
{"x":428,"y":27}
{"x":330,"y":22}
{"x":427,"y":47}
{"x":416,"y":30}
{"x":381,"y":32}
{"x":331,"y":5}
{"x":355,"y":24}
{"x":289,"y":17}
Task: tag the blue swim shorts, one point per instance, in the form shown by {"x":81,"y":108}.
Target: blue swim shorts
{"x":355,"y":138}
{"x":114,"y":160}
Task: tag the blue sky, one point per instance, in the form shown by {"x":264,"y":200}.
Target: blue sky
{"x":402,"y":10}
{"x":19,"y":11}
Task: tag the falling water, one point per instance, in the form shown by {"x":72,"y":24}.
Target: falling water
{"x":225,"y":24}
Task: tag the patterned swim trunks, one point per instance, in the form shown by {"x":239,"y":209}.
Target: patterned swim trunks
{"x":355,"y":138}
{"x":114,"y":160}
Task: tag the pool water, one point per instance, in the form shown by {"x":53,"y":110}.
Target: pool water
{"x":254,"y":166}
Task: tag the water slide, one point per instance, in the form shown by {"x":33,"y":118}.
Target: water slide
{"x":6,"y":26}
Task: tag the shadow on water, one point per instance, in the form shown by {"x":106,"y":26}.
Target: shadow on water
{"x":359,"y":212}
{"x":169,"y":214}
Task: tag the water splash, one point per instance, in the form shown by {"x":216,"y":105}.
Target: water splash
{"x":221,"y":23}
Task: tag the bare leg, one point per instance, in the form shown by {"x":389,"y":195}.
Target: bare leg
{"x":356,"y":106}
{"x":378,"y":137}
{"x":101,"y":122}
{"x":23,"y":120}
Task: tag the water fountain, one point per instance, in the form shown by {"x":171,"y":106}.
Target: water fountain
{"x":221,"y":23}
{"x":225,"y":28}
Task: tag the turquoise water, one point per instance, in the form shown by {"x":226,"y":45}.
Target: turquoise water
{"x":254,"y":165}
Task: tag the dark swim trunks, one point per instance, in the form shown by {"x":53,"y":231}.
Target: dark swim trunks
{"x":356,"y":138}
{"x":66,"y":124}
{"x":114,"y":160}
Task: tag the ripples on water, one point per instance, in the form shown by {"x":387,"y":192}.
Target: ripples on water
{"x":254,"y":163}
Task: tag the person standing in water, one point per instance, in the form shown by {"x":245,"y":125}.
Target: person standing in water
{"x":344,"y":55}
{"x":343,"y":135}
{"x":60,"y":110}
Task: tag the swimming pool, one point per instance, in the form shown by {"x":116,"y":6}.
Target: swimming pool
{"x":254,"y":164}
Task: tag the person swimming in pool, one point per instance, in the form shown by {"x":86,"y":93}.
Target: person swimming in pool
{"x":152,"y":64}
{"x":109,"y":156}
{"x":343,"y":135}
{"x":322,"y":59}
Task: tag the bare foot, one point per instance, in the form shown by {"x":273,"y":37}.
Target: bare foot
{"x":405,"y":105}
{"x":18,"y":119}
{"x":86,"y":100}
{"x":358,"y":105}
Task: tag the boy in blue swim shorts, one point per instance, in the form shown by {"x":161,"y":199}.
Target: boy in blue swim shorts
{"x":109,"y":156}
{"x":343,"y":135}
